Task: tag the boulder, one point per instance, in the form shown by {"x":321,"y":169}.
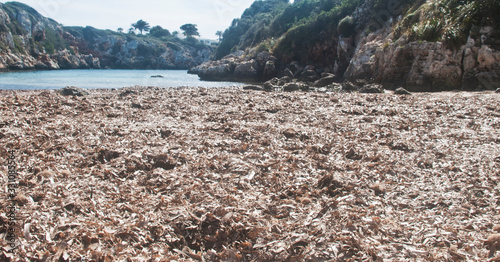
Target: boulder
{"x":334,"y":87}
{"x":284,"y":80}
{"x":372,"y":89}
{"x":214,"y":72}
{"x":402,"y":91}
{"x":245,"y":71}
{"x":325,"y":81}
{"x":291,"y":87}
{"x":309,"y":76}
{"x":253,"y":87}
{"x":73,"y":91}
{"x":269,"y":70}
{"x":268,"y":86}
{"x":350,"y":86}
{"x":288,"y":73}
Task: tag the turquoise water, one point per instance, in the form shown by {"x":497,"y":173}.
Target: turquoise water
{"x":32,"y":80}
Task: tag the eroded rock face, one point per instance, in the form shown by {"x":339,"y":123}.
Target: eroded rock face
{"x":237,"y":67}
{"x":428,"y":66}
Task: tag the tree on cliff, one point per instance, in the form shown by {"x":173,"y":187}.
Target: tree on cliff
{"x":219,"y":34}
{"x":142,"y":25}
{"x":159,"y":32}
{"x":190,"y":30}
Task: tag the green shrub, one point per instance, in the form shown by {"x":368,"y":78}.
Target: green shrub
{"x":346,"y":26}
{"x":173,"y":46}
{"x":19,"y":46}
{"x":53,"y":41}
{"x":429,"y":31}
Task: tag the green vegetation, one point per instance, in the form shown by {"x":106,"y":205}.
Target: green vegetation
{"x":190,"y":30}
{"x":297,"y":31}
{"x":300,"y":39}
{"x":141,"y":25}
{"x":449,"y":21}
{"x":54,"y":41}
{"x":19,"y":45}
{"x":159,"y":32}
{"x":346,"y":26}
{"x":253,"y":27}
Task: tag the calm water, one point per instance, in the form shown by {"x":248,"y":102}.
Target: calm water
{"x":102,"y":79}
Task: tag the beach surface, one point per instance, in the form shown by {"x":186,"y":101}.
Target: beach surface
{"x":223,"y":174}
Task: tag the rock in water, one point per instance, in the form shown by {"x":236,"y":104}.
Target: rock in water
{"x":73,"y":91}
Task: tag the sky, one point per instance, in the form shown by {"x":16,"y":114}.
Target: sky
{"x":210,"y":16}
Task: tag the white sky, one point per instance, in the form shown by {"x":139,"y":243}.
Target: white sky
{"x":210,"y":15}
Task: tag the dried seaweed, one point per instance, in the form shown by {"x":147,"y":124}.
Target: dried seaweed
{"x":150,"y":174}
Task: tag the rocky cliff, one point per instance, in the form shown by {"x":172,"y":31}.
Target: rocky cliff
{"x":30,"y":41}
{"x":420,"y":45}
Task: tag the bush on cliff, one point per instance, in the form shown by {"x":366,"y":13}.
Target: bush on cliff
{"x":346,"y":26}
{"x":251,"y":28}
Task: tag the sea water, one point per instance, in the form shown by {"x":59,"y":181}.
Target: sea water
{"x":91,"y":79}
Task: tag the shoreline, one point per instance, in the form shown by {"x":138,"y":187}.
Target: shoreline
{"x":226,"y":173}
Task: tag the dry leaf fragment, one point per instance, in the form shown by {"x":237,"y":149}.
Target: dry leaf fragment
{"x":378,"y":188}
{"x":290,"y":133}
{"x":21,"y":200}
{"x":492,"y":244}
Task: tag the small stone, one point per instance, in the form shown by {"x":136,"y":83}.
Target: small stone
{"x":497,"y":91}
{"x":402,"y":91}
{"x":496,"y":228}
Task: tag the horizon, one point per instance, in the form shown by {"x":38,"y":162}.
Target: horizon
{"x":209,"y":16}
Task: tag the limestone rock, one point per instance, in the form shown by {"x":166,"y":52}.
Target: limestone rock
{"x":245,"y":71}
{"x":73,"y":91}
{"x":288,"y":73}
{"x":402,"y":91}
{"x":309,"y":76}
{"x":325,"y":81}
{"x":372,"y":89}
{"x":253,"y":87}
{"x":291,"y":87}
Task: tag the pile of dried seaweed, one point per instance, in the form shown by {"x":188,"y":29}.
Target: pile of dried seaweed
{"x":149,"y":174}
